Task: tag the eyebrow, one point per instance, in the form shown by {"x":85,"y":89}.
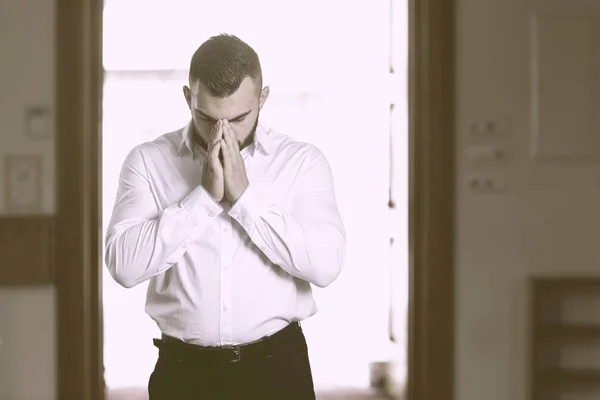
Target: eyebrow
{"x":205,"y":115}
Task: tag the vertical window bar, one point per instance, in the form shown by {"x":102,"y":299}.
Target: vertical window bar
{"x":391,"y":202}
{"x":391,"y":38}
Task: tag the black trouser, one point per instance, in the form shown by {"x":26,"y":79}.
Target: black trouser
{"x":273,"y":368}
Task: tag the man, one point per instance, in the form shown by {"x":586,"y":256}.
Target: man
{"x":231,"y":223}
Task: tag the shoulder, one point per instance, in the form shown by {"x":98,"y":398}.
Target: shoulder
{"x":290,"y":147}
{"x":164,"y":145}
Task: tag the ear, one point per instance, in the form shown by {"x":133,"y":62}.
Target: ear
{"x":264,"y":94}
{"x":187,"y":93}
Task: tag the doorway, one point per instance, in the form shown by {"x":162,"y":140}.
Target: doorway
{"x":431,"y":204}
{"x":333,"y":85}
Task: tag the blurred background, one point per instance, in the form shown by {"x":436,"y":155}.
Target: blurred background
{"x":527,"y":321}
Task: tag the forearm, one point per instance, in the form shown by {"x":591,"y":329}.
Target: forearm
{"x":137,"y":250}
{"x":310,"y":248}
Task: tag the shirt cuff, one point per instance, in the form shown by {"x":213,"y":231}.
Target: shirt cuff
{"x":198,"y":205}
{"x":248,"y":208}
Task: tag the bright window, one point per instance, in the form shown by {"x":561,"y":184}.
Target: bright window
{"x":328,"y":66}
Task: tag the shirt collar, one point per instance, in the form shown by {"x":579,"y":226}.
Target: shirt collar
{"x":188,"y":144}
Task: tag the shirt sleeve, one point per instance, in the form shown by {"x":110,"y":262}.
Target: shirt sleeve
{"x":143,"y":241}
{"x":308,"y":241}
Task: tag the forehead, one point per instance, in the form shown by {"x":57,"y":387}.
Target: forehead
{"x":245,"y":98}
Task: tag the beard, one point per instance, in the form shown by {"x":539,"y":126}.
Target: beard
{"x":250,"y":138}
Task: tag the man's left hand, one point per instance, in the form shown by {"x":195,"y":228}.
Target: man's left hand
{"x":234,"y":170}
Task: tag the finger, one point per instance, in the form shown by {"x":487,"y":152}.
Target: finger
{"x":236,"y":155}
{"x":227,"y":159}
{"x":211,"y":138}
{"x":215,"y":150}
{"x":234,"y":147}
{"x":214,"y":132}
{"x":229,"y":140}
{"x":213,"y":141}
{"x":214,"y":162}
{"x":209,"y":148}
{"x":218,"y":132}
{"x":229,"y":132}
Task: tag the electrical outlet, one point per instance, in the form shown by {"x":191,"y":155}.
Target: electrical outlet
{"x":23,"y":183}
{"x":486,"y":182}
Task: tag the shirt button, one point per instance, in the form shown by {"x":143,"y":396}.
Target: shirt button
{"x":211,"y":214}
{"x":224,"y":308}
{"x":185,"y":246}
{"x":225,"y":230}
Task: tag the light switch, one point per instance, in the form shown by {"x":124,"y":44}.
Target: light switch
{"x":23,"y":183}
{"x":39,"y":122}
{"x":485,"y":153}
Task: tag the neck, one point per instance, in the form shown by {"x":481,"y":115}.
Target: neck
{"x":249,"y":140}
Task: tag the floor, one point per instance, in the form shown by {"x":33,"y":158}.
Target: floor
{"x":340,"y":394}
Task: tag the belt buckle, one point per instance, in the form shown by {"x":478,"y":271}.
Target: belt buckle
{"x":236,"y":352}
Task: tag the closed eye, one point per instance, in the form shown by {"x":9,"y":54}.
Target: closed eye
{"x":207,"y":117}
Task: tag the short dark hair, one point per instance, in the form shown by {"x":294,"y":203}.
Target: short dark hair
{"x":223,"y":62}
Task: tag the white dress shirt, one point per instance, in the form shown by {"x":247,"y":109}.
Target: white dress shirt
{"x":223,"y":274}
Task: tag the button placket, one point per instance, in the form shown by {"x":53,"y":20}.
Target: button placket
{"x":226,"y":281}
{"x":227,"y":238}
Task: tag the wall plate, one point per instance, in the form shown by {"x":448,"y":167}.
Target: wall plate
{"x":39,"y":122}
{"x":23,"y":183}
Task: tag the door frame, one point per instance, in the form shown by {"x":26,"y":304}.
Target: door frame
{"x":432,"y":185}
{"x":78,"y":258}
{"x":78,"y":279}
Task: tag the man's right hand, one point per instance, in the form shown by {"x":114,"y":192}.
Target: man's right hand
{"x":212,"y":174}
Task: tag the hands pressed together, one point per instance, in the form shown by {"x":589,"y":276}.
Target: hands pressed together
{"x":224,"y":174}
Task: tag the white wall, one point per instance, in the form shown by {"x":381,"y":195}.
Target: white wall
{"x":27,"y":315}
{"x":546,"y":222}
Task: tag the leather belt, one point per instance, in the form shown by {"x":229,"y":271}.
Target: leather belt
{"x":262,"y":348}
